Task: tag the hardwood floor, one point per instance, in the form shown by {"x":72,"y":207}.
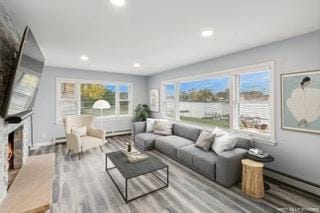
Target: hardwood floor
{"x":84,"y":186}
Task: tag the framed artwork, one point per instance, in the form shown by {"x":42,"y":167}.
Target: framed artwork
{"x":154,"y":100}
{"x":301,"y":101}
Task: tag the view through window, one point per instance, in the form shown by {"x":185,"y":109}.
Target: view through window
{"x":205,"y":102}
{"x":77,"y":97}
{"x":254,"y":101}
{"x":169,"y":101}
{"x":90,"y":93}
{"x":208,"y":101}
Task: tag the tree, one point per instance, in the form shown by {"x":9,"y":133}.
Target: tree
{"x":92,"y":91}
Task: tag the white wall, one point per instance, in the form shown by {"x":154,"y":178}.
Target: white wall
{"x":45,"y":126}
{"x":296,"y":153}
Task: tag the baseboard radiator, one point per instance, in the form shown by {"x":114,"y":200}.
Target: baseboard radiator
{"x":57,"y":140}
{"x":293,"y":181}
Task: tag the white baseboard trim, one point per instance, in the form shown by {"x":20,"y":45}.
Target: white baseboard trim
{"x":37,"y":145}
{"x":120,"y":132}
{"x":62,"y":139}
{"x":311,"y":188}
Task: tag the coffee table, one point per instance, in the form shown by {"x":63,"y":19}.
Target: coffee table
{"x":131,"y":170}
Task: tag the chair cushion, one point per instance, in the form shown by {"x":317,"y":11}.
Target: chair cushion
{"x":145,"y":140}
{"x":169,"y":145}
{"x":205,"y":163}
{"x":81,"y":131}
{"x":188,"y":132}
{"x":88,"y":142}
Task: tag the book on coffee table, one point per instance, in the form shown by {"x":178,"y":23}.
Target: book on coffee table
{"x":137,"y":157}
{"x":133,"y":152}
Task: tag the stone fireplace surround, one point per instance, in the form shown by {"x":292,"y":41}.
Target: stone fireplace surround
{"x":22,"y":138}
{"x":10,"y":36}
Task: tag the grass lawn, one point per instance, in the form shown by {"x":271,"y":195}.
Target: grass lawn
{"x":209,"y":122}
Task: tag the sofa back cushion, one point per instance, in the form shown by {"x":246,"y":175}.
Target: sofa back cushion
{"x":188,"y":132}
{"x":242,"y":142}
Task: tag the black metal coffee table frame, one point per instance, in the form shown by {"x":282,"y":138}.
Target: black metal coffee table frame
{"x":125,"y":194}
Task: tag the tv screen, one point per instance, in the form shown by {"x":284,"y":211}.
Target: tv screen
{"x":26,"y":78}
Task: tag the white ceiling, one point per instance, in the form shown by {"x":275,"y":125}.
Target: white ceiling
{"x":158,"y":34}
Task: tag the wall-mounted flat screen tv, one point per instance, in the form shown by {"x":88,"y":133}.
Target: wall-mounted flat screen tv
{"x":26,"y":77}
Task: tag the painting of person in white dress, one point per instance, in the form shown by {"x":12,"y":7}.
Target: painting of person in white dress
{"x":304,"y":103}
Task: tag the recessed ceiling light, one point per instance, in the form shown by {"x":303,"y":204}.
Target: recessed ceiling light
{"x":207,"y":33}
{"x":137,"y":65}
{"x":118,"y":3}
{"x":84,"y":58}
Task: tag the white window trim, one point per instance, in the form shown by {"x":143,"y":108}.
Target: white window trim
{"x":78,"y":82}
{"x":233,"y":73}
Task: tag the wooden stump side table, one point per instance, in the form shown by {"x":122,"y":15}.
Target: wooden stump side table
{"x":252,"y":178}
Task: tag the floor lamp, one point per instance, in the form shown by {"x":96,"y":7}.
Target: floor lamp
{"x":101,"y":104}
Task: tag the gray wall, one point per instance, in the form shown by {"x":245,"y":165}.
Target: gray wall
{"x":296,"y":153}
{"x":45,"y":106}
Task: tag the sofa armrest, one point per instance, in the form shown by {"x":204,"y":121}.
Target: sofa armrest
{"x":137,"y":128}
{"x":73,"y":142}
{"x":98,"y":133}
{"x":228,"y":167}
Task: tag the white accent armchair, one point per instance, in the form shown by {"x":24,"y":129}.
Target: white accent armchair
{"x":77,"y":143}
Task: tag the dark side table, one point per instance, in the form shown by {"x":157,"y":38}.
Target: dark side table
{"x":262,"y":160}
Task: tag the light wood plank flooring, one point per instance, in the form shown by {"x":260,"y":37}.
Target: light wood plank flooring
{"x":84,"y":186}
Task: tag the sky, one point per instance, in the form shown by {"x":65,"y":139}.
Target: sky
{"x":122,"y":88}
{"x":257,"y":81}
{"x":216,"y":84}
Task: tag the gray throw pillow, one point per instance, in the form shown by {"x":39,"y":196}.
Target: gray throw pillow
{"x":162,"y":128}
{"x":205,"y":140}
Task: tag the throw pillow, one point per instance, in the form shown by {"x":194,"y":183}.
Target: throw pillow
{"x":150,"y":124}
{"x":81,"y":131}
{"x":162,"y":128}
{"x":224,"y":143}
{"x":219,"y":132}
{"x":205,"y":140}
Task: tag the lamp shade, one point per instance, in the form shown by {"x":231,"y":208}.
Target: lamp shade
{"x":101,"y":104}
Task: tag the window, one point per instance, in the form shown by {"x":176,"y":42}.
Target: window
{"x":78,"y":97}
{"x":169,"y":101}
{"x":205,"y":102}
{"x":124,"y":99}
{"x":253,"y":102}
{"x":90,"y":93}
{"x":238,"y":99}
{"x":67,"y":103}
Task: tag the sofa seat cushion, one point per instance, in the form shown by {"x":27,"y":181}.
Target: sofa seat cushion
{"x":205,"y":163}
{"x":88,"y":142}
{"x":185,"y":154}
{"x":145,"y":140}
{"x":169,"y":145}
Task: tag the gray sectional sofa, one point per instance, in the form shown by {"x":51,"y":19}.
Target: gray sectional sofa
{"x":225,"y":168}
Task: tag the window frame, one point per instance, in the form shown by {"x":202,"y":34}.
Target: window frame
{"x":118,"y":100}
{"x":234,"y":86}
{"x":164,"y":100}
{"x":78,"y":83}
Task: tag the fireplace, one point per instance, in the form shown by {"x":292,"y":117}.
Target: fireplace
{"x":14,"y":142}
{"x":14,"y":154}
{"x":10,"y":151}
